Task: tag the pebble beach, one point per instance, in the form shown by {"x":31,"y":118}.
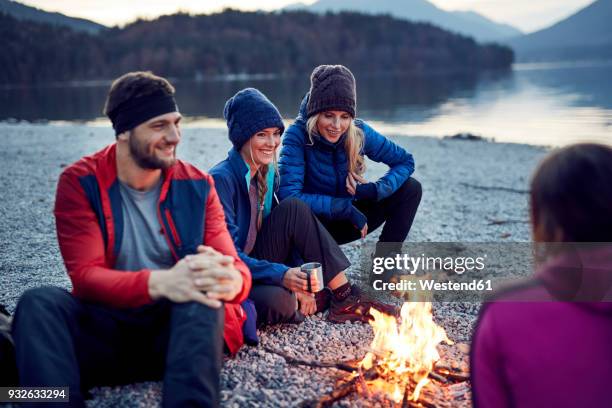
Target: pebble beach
{"x":473,"y":191}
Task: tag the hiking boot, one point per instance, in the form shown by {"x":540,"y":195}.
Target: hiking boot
{"x":356,"y":307}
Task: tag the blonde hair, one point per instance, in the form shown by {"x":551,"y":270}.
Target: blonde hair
{"x":262,"y":184}
{"x":352,"y":144}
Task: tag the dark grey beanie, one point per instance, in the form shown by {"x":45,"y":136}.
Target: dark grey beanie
{"x":332,"y":87}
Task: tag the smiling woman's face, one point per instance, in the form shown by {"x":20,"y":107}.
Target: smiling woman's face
{"x":333,"y":124}
{"x":261,"y":148}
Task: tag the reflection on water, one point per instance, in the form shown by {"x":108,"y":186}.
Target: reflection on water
{"x":550,"y":105}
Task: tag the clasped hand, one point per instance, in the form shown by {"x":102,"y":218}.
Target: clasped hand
{"x":208,"y":277}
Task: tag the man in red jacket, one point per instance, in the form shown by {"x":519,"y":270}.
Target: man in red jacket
{"x":156,"y":279}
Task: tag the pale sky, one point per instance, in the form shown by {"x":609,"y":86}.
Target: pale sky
{"x":527,"y":15}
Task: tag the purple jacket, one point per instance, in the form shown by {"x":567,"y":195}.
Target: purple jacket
{"x":548,"y":353}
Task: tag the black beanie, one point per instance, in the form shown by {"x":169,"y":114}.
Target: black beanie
{"x":332,"y":87}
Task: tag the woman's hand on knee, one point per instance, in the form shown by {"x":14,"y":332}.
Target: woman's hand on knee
{"x":295,"y":280}
{"x":306,"y":302}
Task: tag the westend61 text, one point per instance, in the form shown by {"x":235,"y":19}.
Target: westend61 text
{"x":432,"y":285}
{"x":412,"y":264}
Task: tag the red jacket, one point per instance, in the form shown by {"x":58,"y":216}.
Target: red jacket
{"x":89,"y":224}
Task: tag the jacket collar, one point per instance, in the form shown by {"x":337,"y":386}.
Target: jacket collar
{"x":239,"y":167}
{"x":302,"y":112}
{"x":107,"y":174}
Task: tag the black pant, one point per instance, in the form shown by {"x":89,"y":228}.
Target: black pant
{"x":397,"y":212}
{"x":274,"y":304}
{"x":292,"y":234}
{"x":8,"y":368}
{"x":62,"y":341}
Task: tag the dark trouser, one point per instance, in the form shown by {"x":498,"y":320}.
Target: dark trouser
{"x":62,"y":341}
{"x":292,"y":227}
{"x":8,"y":368}
{"x":397,"y":212}
{"x":274,"y":304}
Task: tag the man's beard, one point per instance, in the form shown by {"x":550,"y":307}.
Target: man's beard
{"x":146,"y":160}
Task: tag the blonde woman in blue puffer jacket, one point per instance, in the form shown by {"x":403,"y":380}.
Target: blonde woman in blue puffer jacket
{"x":322,"y":162}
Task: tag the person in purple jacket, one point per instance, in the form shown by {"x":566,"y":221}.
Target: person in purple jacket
{"x":548,"y":343}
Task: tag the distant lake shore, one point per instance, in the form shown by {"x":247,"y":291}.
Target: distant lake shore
{"x":547,"y":104}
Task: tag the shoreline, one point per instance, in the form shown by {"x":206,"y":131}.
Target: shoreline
{"x":452,"y":210}
{"x":204,"y":123}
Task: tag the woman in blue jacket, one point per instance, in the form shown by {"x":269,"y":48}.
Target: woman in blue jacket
{"x":322,"y":163}
{"x":270,"y":236}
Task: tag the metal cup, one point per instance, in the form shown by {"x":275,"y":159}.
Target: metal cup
{"x":314,"y":276}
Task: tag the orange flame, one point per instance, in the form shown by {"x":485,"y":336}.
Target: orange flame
{"x":406,"y":352}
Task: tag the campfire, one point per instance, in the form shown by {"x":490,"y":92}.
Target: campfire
{"x":402,"y":365}
{"x":403,"y":355}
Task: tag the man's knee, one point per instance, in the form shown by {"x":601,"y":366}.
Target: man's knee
{"x":37,"y":301}
{"x":199,"y":314}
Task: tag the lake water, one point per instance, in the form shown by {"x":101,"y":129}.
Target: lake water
{"x":535,"y":104}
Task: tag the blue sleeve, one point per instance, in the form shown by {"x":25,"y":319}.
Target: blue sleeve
{"x":292,"y":169}
{"x":262,"y":271}
{"x":382,"y":150}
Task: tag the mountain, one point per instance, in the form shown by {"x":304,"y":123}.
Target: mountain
{"x":586,"y":34}
{"x":23,"y":12}
{"x":232,"y":42}
{"x":463,"y":22}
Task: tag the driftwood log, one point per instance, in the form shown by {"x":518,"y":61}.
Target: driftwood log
{"x":359,"y":377}
{"x":495,"y":188}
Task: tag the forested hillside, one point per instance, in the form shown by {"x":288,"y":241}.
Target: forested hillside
{"x":233,"y":42}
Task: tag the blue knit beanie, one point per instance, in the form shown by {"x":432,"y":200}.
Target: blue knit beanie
{"x":248,"y":112}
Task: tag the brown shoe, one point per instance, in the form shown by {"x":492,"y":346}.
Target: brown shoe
{"x":356,"y":307}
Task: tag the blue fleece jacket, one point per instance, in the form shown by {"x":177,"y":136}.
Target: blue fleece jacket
{"x":232,"y":177}
{"x":316,"y":171}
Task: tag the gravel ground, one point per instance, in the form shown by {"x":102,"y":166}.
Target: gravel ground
{"x":457,"y":205}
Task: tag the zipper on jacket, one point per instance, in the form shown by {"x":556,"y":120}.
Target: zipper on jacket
{"x":173,"y":231}
{"x":163,"y":229}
